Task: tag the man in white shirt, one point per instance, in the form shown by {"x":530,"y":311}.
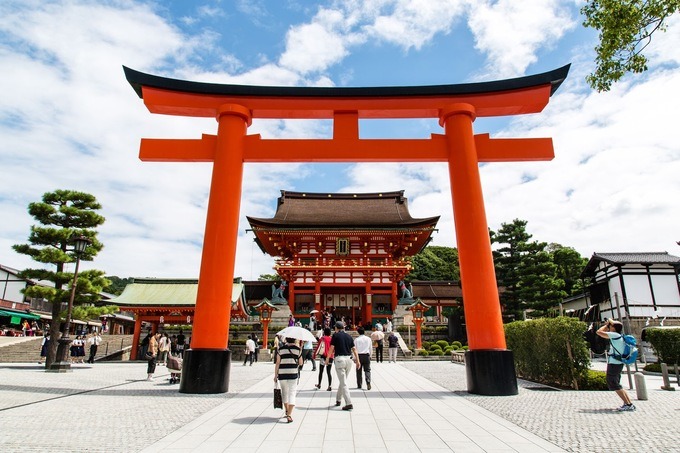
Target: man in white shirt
{"x":364,"y":349}
{"x":250,"y":351}
{"x":94,"y":341}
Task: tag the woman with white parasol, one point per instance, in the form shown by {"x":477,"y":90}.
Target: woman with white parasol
{"x":288,"y":360}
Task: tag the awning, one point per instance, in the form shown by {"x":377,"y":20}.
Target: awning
{"x":19,"y":314}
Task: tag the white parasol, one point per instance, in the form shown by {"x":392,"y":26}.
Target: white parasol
{"x":313,"y":311}
{"x":296,"y":332}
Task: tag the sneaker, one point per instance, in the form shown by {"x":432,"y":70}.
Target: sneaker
{"x":368,"y":386}
{"x":349,"y":407}
{"x":626,"y":408}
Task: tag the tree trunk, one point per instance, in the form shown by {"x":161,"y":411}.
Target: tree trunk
{"x":55,"y":334}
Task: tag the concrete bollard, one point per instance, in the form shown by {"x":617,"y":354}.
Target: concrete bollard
{"x":641,"y":386}
{"x":666,"y":380}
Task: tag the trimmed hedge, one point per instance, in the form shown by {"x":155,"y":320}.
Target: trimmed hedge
{"x":666,"y":344}
{"x":541,"y":349}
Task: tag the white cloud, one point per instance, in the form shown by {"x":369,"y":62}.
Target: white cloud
{"x":414,"y":23}
{"x":511,"y":33}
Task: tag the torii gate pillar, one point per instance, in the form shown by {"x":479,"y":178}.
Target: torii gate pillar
{"x":490,"y":367}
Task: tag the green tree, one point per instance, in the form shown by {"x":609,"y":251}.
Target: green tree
{"x":570,"y":264}
{"x":435,"y":263}
{"x":527,"y":271}
{"x":507,"y":260}
{"x":117,"y":284}
{"x":625,"y":29}
{"x":61,"y":215}
{"x":268,"y":278}
{"x":539,"y":287}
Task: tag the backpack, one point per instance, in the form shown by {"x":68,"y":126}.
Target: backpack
{"x":629,"y":354}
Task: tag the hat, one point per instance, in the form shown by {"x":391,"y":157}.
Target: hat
{"x":339,"y":325}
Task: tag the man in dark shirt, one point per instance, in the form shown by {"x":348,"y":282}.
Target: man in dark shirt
{"x":342,"y":347}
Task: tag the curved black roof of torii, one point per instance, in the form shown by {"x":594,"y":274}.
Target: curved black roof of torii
{"x":139,"y":79}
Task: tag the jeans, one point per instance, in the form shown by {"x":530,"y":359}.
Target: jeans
{"x":365,"y":360}
{"x":343,"y":365}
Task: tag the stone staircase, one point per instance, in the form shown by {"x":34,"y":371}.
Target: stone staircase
{"x":29,"y":350}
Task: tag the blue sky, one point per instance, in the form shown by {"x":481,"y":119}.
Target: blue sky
{"x":69,"y":120}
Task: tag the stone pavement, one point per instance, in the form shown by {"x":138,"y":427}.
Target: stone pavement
{"x":413,"y":406}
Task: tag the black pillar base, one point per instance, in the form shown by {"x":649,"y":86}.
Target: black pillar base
{"x":205,"y":371}
{"x":61,"y":363}
{"x":491,"y":372}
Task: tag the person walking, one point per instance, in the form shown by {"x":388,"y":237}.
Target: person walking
{"x":364,"y":351}
{"x":44,"y":346}
{"x":342,"y":348}
{"x":257,"y":347}
{"x":288,"y":360}
{"x":377,"y":336}
{"x":308,"y":354}
{"x":392,"y":347}
{"x":250,"y":350}
{"x":151,"y":354}
{"x":323,"y":351}
{"x":612,"y":330}
{"x":163,"y":349}
{"x":93,"y":341}
{"x":181,"y":342}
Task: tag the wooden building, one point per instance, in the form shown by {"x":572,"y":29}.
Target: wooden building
{"x":343,"y":252}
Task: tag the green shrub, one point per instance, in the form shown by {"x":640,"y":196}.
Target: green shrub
{"x":423,"y":352}
{"x":549,"y":350}
{"x":656,"y":368}
{"x":593,"y":380}
{"x":457,"y":344}
{"x":435,"y":347}
{"x":465,"y":348}
{"x":448,"y":350}
{"x":426,"y":344}
{"x":436,"y":352}
{"x":666,"y":344}
{"x":443,"y":344}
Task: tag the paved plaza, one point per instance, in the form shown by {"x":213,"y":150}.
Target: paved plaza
{"x":412,"y":407}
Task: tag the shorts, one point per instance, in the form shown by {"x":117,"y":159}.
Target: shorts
{"x":288,"y":390}
{"x":614,"y":376}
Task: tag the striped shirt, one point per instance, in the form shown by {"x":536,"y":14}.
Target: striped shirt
{"x":288,"y":366}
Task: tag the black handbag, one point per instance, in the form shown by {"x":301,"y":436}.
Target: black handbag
{"x":278,"y":398}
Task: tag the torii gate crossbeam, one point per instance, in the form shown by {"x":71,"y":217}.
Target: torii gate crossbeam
{"x":489,"y":365}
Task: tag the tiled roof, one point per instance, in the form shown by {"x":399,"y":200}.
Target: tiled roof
{"x":637,"y":257}
{"x":318,"y":210}
{"x":177,"y":292}
{"x":436,"y":290}
{"x":629,"y":258}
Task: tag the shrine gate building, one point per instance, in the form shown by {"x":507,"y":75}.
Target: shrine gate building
{"x":343,"y":252}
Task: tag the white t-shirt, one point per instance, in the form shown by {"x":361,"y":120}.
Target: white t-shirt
{"x":250,"y":345}
{"x":363,"y":344}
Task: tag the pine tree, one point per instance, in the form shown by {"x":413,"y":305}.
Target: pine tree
{"x":62,"y":215}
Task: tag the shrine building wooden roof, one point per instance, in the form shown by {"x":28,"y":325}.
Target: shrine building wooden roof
{"x":303,"y":210}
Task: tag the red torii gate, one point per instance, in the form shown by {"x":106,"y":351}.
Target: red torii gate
{"x":489,"y":365}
